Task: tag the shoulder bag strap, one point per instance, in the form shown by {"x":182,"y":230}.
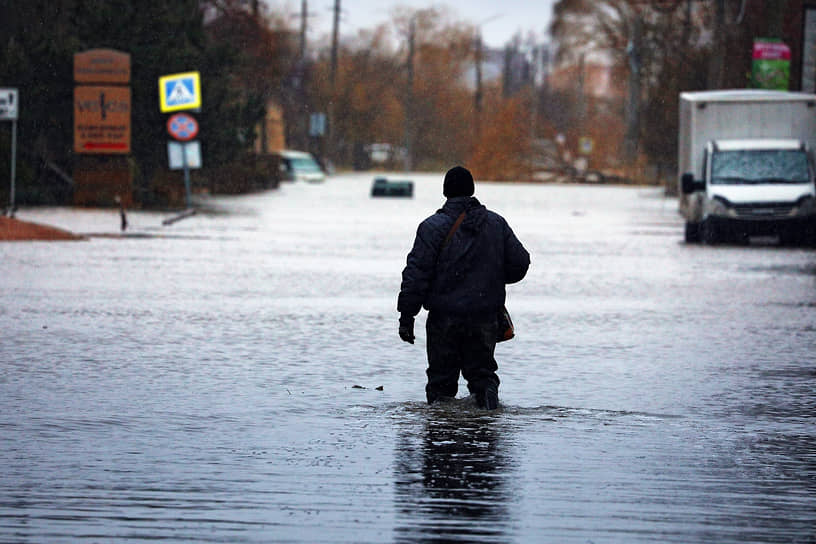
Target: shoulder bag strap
{"x":452,"y":230}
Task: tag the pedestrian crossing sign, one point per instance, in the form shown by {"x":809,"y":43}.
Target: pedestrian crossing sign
{"x":180,"y":92}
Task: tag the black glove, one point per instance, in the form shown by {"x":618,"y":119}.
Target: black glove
{"x":406,"y":329}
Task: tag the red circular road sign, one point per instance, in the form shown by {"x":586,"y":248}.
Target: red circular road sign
{"x":182,"y":126}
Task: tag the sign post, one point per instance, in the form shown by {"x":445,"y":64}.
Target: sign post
{"x":9,"y":104}
{"x":12,"y":204}
{"x":182,"y":92}
{"x":184,"y":156}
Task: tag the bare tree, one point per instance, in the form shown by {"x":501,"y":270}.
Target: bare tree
{"x":655,"y":45}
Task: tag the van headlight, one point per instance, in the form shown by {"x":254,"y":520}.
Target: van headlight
{"x":718,"y":207}
{"x":805,"y":206}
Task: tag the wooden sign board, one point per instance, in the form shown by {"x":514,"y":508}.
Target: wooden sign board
{"x":101,"y":119}
{"x":102,"y":66}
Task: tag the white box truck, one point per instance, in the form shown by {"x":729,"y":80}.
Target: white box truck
{"x":745,"y":165}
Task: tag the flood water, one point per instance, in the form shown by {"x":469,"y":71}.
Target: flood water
{"x":237,"y":377}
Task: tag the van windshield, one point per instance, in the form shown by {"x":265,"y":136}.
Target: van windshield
{"x":755,"y":166}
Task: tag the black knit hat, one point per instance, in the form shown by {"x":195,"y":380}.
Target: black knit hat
{"x":458,"y":182}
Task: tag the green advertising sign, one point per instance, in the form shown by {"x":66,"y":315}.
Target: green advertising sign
{"x":771,"y":65}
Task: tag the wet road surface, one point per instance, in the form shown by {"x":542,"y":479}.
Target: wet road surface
{"x":196,"y":382}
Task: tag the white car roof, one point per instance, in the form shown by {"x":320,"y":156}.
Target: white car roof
{"x":730,"y":145}
{"x":742,"y":95}
{"x":291,"y":154}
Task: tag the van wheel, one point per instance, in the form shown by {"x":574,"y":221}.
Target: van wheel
{"x":692,"y":233}
{"x":709,"y":232}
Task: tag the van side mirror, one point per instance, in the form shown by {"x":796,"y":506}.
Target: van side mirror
{"x":688,"y":184}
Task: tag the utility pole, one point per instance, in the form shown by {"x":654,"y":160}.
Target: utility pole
{"x":477,"y":95}
{"x":535,"y":65}
{"x":302,"y":120}
{"x":507,"y":71}
{"x":409,"y":98}
{"x":335,"y":33}
{"x":303,"y":14}
{"x":580,"y":90}
{"x":687,"y":25}
{"x":332,"y":134}
{"x":715,"y":61}
{"x":264,"y":136}
{"x":630,"y":143}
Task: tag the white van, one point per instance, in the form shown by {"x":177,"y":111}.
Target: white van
{"x":745,"y":165}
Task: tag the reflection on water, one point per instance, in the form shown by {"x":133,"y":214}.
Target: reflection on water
{"x":451,"y":478}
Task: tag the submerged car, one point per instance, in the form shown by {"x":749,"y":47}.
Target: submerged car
{"x":299,"y":166}
{"x":386,"y":187}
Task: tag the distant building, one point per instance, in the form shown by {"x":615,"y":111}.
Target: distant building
{"x":513,"y":66}
{"x":491,"y":68}
{"x":595,"y":79}
{"x":269,"y":134}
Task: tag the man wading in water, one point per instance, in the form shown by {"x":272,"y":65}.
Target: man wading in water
{"x":463,"y":256}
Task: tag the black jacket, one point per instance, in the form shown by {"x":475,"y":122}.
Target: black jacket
{"x":469,"y":274}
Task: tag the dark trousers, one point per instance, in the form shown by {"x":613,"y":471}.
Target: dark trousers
{"x":460,"y":344}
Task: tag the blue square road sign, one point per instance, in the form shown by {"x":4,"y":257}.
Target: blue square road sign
{"x":180,"y":92}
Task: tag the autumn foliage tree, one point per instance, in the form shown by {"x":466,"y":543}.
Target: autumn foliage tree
{"x":411,"y":84}
{"x":440,"y":104}
{"x":656,"y":50}
{"x":503,"y":148}
{"x":363,"y":98}
{"x":400,"y":84}
{"x":261,"y":47}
